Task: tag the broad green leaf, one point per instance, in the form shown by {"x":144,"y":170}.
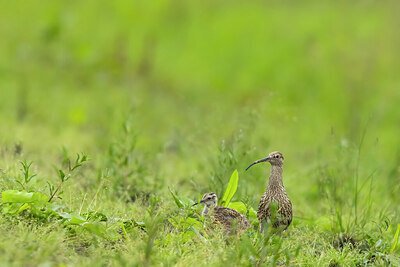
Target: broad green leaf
{"x":23,"y":207}
{"x":38,"y":210}
{"x":53,"y":207}
{"x":72,"y":219}
{"x":239,"y":206}
{"x":230,"y":189}
{"x":12,"y":208}
{"x":48,"y":209}
{"x":15,"y":196}
{"x":76,"y":219}
{"x":178,"y":202}
{"x":65,"y":215}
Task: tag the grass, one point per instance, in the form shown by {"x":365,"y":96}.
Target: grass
{"x":171,"y":96}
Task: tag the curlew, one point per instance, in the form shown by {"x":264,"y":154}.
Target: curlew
{"x":275,"y":193}
{"x":229,"y":219}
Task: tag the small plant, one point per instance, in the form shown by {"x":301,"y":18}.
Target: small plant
{"x":65,"y":176}
{"x":25,"y":171}
{"x":28,"y":176}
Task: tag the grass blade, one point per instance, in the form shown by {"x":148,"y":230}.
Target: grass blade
{"x":396,"y":239}
{"x":178,"y":202}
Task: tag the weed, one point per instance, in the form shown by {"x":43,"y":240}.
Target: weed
{"x":65,"y":176}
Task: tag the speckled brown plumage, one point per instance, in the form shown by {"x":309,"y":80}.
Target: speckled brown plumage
{"x":229,"y":219}
{"x":275,"y":193}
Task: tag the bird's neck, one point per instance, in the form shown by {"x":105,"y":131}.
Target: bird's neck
{"x":207,"y":209}
{"x":275,"y":177}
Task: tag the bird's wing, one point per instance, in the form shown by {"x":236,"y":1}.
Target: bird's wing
{"x":263,"y":209}
{"x":227,"y":212}
{"x":227,"y":216}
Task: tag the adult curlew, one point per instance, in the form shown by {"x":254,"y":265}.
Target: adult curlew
{"x":230,"y":219}
{"x":275,"y":193}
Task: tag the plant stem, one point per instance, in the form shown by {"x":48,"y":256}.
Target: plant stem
{"x":59,"y":185}
{"x":55,"y":191}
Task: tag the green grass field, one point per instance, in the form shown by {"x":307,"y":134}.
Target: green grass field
{"x":167,"y":99}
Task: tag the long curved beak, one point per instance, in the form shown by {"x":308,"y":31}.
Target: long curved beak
{"x":258,"y":161}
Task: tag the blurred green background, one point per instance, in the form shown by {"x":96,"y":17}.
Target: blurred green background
{"x":207,"y":87}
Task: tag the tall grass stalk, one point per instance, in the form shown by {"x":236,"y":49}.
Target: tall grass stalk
{"x":356,"y":175}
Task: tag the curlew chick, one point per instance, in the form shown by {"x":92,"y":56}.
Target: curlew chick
{"x":228,"y":218}
{"x":275,"y":193}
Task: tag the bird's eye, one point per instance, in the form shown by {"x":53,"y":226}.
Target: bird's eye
{"x":276,"y":156}
{"x":209,"y":198}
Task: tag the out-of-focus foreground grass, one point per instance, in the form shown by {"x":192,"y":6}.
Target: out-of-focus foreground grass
{"x":180,"y":94}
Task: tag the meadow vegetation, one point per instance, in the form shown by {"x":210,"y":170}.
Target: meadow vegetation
{"x":117,"y":116}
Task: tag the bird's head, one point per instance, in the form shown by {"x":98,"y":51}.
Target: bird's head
{"x":274,"y":158}
{"x":209,"y":199}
